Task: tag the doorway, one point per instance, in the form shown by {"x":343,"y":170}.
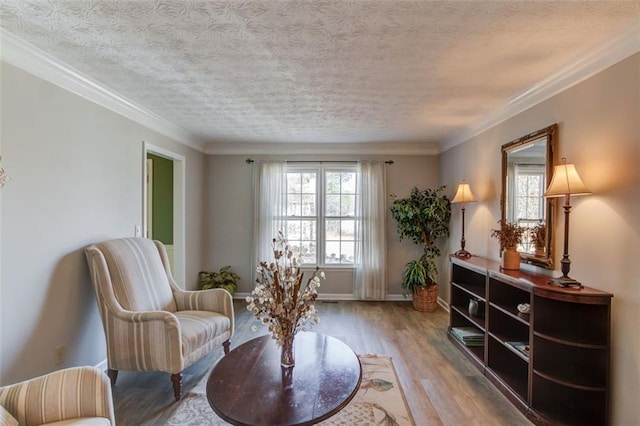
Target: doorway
{"x":164,"y":204}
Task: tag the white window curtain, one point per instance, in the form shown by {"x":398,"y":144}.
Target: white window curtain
{"x":269,"y":189}
{"x":371,"y":263}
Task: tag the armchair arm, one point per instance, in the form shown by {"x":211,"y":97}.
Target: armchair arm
{"x":144,"y":341}
{"x":6,"y":419}
{"x":213,"y":300}
{"x":61,"y":395}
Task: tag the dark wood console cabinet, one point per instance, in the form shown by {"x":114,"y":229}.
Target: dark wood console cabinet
{"x":553,"y":364}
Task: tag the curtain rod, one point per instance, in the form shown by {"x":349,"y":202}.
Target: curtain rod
{"x":251,"y":160}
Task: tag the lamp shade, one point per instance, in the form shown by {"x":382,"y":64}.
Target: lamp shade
{"x":463,"y":194}
{"x":566,"y":181}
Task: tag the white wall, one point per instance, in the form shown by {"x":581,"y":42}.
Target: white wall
{"x":76,"y":178}
{"x":229,"y":217}
{"x":599,"y":131}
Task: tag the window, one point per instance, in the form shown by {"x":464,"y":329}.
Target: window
{"x":528,"y":194}
{"x":321,"y":215}
{"x":529,"y":201}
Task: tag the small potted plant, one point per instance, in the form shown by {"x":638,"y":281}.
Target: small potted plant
{"x":538,"y":237}
{"x":510,"y":235}
{"x":224,"y":279}
{"x":423,"y":218}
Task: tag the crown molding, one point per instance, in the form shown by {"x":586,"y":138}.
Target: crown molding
{"x":377,"y":148}
{"x":29,"y":58}
{"x":621,"y":46}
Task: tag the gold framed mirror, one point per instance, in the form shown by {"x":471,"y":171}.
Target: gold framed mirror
{"x":527,"y":165}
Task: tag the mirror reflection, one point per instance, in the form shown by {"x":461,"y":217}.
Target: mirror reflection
{"x":527,"y":164}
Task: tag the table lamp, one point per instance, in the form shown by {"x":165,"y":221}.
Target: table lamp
{"x":565,"y":183}
{"x":463,"y":195}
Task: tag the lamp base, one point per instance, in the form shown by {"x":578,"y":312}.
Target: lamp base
{"x":565,"y":281}
{"x":462,"y":253}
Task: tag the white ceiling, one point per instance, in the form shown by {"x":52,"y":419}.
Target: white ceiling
{"x":243,"y":75}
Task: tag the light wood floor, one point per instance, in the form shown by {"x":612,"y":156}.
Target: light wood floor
{"x":442,"y":387}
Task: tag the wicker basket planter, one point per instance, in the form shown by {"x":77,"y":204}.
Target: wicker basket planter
{"x":425,"y":299}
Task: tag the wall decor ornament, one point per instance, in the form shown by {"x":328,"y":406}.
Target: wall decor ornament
{"x":4,"y":178}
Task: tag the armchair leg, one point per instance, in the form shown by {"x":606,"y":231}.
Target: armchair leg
{"x":113,"y":375}
{"x":177,"y":385}
{"x":226,"y":345}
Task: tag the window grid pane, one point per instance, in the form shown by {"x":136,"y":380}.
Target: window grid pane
{"x":340,"y":241}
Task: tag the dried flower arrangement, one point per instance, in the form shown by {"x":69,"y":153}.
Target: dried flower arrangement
{"x":279,"y":299}
{"x":538,"y":235}
{"x":509,"y":234}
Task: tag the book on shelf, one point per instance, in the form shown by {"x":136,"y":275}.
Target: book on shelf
{"x":469,"y":336}
{"x":522,"y":347}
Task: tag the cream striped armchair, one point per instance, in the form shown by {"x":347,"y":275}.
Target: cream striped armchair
{"x":73,"y":396}
{"x":150,"y":323}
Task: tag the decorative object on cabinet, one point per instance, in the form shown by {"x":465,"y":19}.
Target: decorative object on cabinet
{"x":510,"y":235}
{"x":423,"y":218}
{"x":565,"y":183}
{"x":527,"y":164}
{"x":463,"y":195}
{"x":473,"y":306}
{"x":553,"y":363}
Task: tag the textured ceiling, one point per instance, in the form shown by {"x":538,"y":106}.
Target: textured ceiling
{"x":237,"y":72}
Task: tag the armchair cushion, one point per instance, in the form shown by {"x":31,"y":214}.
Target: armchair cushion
{"x":200,"y":327}
{"x":69,"y":395}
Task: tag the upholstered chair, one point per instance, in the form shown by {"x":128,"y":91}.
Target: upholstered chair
{"x":73,"y":396}
{"x":149,"y":322}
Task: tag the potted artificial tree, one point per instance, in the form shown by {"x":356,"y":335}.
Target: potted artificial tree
{"x":510,"y":235}
{"x":423,"y":218}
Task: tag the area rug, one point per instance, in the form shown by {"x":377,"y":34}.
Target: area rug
{"x":379,"y":401}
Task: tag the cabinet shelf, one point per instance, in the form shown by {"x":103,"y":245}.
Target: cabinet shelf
{"x":469,"y":290}
{"x":571,"y":365}
{"x":470,"y":280}
{"x":575,"y":342}
{"x":505,"y":327}
{"x":510,"y":345}
{"x":509,"y":367}
{"x":564,"y":378}
{"x":474,"y":353}
{"x":580,"y":323}
{"x":569,"y":384}
{"x":477,"y":321}
{"x":566,"y":405}
{"x":513,"y":313}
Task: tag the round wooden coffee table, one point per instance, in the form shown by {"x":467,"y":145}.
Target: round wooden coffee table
{"x":245,"y":387}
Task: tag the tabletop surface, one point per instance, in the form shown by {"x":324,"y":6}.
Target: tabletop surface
{"x":245,"y":387}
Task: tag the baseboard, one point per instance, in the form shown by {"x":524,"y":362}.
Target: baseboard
{"x":397,"y":298}
{"x":444,"y":305}
{"x":338,"y":296}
